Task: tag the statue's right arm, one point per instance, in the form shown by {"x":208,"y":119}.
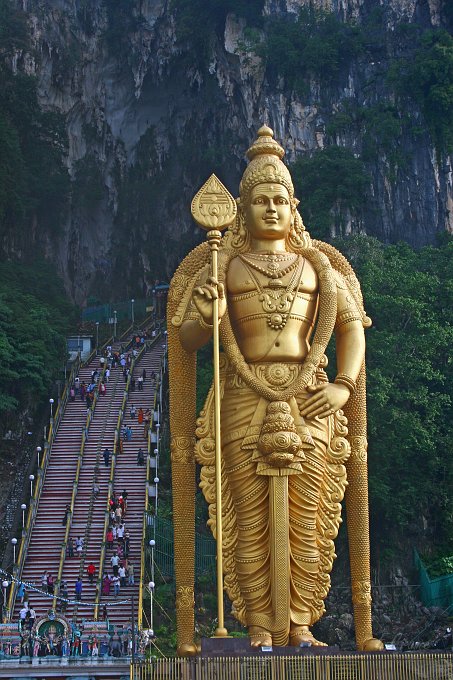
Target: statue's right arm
{"x":196,"y":329}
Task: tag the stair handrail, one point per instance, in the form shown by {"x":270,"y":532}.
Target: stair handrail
{"x":139,"y":324}
{"x":95,"y":473}
{"x":150,"y":344}
{"x":143,"y":547}
{"x":41,"y":473}
{"x":97,"y":350}
{"x":145,"y":324}
{"x":74,"y":488}
{"x":111,"y":482}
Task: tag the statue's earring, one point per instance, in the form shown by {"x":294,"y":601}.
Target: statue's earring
{"x":241,"y":236}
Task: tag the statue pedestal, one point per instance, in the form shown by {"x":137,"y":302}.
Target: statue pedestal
{"x":240,"y":647}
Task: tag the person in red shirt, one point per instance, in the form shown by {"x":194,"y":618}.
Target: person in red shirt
{"x":91,"y":571}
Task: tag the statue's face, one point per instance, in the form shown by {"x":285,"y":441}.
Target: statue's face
{"x":268,"y":211}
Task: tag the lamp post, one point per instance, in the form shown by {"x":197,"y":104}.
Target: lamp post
{"x":14,"y":542}
{"x":132,"y":311}
{"x":157,"y":432}
{"x":31,"y":478}
{"x":152,"y":543}
{"x":151,"y":586}
{"x":23,"y":507}
{"x":115,"y":321}
{"x":38,"y":451}
{"x":51,"y":402}
{"x":97,"y":335}
{"x":156,"y":482}
{"x":5,"y":585}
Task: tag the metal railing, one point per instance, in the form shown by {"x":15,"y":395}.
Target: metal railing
{"x":162,"y":531}
{"x":75,"y":485}
{"x":142,"y":551}
{"x":34,"y":500}
{"x":112,"y":481}
{"x":382,"y":665}
{"x":144,"y":525}
{"x":144,"y":545}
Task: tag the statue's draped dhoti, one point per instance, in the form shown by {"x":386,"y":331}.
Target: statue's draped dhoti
{"x":279,"y":532}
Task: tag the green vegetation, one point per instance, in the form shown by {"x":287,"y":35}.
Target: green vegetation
{"x":329,"y":184}
{"x":315,"y":44}
{"x":198,"y":21}
{"x":35,"y":316}
{"x":409,"y":296}
{"x":34,"y":184}
{"x":13,"y":28}
{"x":426,"y":75}
{"x":438,"y":566}
{"x":380,"y":127}
{"x":122,"y":21}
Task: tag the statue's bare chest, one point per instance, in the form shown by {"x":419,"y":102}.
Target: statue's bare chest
{"x":272,"y":291}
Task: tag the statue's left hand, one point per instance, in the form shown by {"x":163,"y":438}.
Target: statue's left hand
{"x":326,"y":399}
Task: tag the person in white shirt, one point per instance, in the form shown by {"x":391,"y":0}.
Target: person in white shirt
{"x":115,"y":561}
{"x":22,"y":615}
{"x":122,"y":575}
{"x":116,"y":585}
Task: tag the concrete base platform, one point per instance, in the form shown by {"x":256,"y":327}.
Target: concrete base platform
{"x":80,"y":669}
{"x":233,"y":647}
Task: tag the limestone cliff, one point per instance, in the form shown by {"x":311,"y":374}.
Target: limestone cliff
{"x":154,"y":101}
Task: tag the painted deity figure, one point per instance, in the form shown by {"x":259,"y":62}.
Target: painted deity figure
{"x":284,"y":433}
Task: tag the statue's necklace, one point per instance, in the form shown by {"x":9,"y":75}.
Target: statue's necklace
{"x":272,"y":270}
{"x":323,"y":332}
{"x":276,"y":298}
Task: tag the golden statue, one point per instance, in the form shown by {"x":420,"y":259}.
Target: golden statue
{"x":290,"y":441}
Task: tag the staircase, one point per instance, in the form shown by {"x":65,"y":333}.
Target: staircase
{"x":49,"y":530}
{"x":130,"y":476}
{"x":88,"y":519}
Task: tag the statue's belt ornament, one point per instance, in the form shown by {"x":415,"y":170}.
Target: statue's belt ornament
{"x":279,"y":442}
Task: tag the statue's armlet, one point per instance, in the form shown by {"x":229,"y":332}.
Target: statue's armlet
{"x":347,"y":308}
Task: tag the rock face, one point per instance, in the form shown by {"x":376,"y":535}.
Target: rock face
{"x":399,"y":618}
{"x":151,"y":111}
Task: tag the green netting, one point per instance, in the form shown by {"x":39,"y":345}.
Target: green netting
{"x":103,"y":313}
{"x":436,"y":592}
{"x":161,"y":530}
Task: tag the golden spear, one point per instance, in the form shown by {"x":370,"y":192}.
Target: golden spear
{"x":214,"y":208}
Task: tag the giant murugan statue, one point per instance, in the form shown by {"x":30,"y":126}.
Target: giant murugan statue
{"x":291,"y":441}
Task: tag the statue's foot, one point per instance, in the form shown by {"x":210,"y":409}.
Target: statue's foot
{"x":303,"y":634}
{"x":372,"y":645}
{"x":259,"y":637}
{"x":188,"y":649}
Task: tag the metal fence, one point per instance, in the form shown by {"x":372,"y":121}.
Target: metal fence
{"x":105,"y":313}
{"x":378,"y":666}
{"x":435,"y":592}
{"x":205,"y":547}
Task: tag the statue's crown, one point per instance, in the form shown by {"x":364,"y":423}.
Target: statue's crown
{"x":265,"y":164}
